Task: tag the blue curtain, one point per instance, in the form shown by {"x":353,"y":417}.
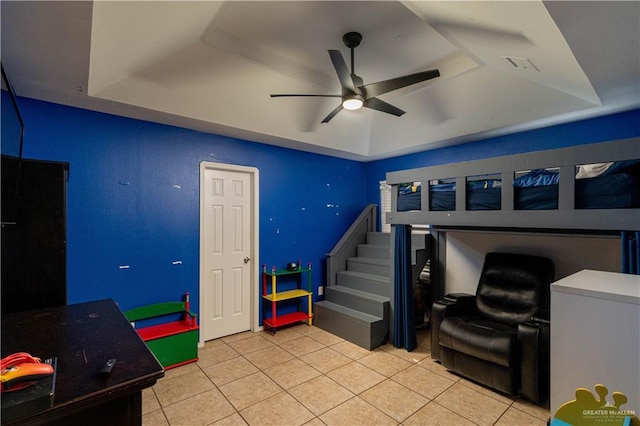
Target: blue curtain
{"x":630,"y":252}
{"x":404,"y":329}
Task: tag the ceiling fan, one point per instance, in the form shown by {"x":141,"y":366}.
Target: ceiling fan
{"x":355,"y":94}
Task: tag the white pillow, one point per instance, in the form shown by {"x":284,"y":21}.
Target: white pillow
{"x":592,"y":170}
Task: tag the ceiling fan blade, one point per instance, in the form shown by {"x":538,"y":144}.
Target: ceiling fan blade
{"x":282,"y":95}
{"x":380,"y":105}
{"x":385,"y":86}
{"x":343,"y":72}
{"x":332,"y":114}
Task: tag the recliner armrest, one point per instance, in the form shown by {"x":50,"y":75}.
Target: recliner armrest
{"x":459,"y":304}
{"x":464,"y":304}
{"x":453,"y":297}
{"x":534,"y":342}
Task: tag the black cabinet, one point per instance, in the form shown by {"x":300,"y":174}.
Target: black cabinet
{"x":34,"y":255}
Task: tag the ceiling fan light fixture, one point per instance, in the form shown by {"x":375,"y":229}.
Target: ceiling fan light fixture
{"x":352,"y":102}
{"x":355,"y":94}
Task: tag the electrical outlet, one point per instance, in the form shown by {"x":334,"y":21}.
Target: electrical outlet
{"x":321,"y":290}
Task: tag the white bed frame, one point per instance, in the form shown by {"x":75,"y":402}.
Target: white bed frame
{"x":566,"y":217}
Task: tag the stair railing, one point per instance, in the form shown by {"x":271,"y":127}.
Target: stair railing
{"x":347,"y":246}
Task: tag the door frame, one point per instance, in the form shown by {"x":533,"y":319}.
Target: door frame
{"x":254,"y":177}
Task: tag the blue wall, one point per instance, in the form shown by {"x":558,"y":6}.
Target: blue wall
{"x":133,"y":199}
{"x":617,"y":126}
{"x":133,"y":194}
{"x":10,"y":136}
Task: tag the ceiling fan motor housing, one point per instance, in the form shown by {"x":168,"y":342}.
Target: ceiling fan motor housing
{"x":352,"y":39}
{"x":355,"y":93}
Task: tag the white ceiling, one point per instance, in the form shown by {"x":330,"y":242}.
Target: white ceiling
{"x":211,"y":66}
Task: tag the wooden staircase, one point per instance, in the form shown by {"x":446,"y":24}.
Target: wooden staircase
{"x":357,"y":307}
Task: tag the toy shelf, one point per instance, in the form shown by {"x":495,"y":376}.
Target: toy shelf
{"x":271,"y":294}
{"x":286,"y":295}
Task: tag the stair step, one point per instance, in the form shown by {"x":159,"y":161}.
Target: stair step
{"x":379,"y":238}
{"x":358,"y":307}
{"x":362,"y":301}
{"x":375,"y":284}
{"x":375,"y":251}
{"x":418,"y":239}
{"x":361,"y":316}
{"x":372,"y":260}
{"x":369,"y":265}
{"x":364,"y":330}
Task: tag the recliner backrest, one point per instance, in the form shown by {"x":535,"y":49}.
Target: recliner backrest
{"x":513,"y":287}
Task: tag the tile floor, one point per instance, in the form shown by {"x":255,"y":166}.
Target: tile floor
{"x":303,"y":375}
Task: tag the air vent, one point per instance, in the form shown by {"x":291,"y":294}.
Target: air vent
{"x":522,"y":64}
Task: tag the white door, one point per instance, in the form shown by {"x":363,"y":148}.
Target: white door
{"x":226,"y":251}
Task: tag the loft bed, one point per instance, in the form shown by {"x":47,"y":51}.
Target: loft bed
{"x":593,"y":187}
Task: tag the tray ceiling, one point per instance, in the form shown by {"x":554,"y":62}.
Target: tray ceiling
{"x":211,"y":66}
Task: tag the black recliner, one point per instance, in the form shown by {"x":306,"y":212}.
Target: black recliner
{"x":500,"y":336}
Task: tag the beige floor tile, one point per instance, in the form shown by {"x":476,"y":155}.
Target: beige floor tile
{"x":356,"y":377}
{"x":438,"y":368}
{"x":201,"y":409}
{"x":515,"y":417}
{"x":281,"y":409}
{"x":306,"y":330}
{"x":433,"y":414}
{"x":209,"y":344}
{"x":326,"y":360}
{"x":178,"y":371}
{"x":351,"y":350}
{"x":231,"y":370}
{"x":422,"y":381}
{"x":424,"y":343}
{"x":394,"y":399}
{"x":326,"y":338}
{"x":320,"y":394}
{"x":154,"y":418}
{"x":237,"y":336}
{"x":149,"y":401}
{"x":182,"y":387}
{"x":269,"y":357}
{"x":281,"y":335}
{"x":250,"y":390}
{"x":422,"y":334}
{"x":214,"y":354}
{"x":384,"y":363}
{"x":471,"y":404}
{"x":506,"y":399}
{"x":323,"y":378}
{"x":315,"y":422}
{"x":252,"y":343}
{"x":291,"y":373}
{"x":356,"y":412}
{"x":532,"y":409}
{"x":233,"y":420}
{"x":302,"y":346}
{"x":418,"y":354}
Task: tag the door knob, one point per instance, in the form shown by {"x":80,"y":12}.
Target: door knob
{"x":247,"y":259}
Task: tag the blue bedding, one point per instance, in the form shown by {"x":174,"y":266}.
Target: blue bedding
{"x":481,"y":195}
{"x":610,"y":191}
{"x":618,"y":187}
{"x":409,"y":200}
{"x":614,"y":191}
